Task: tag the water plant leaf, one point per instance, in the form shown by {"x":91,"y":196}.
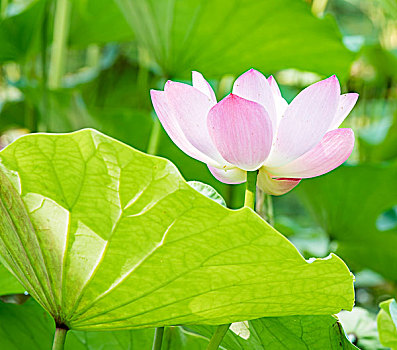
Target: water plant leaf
{"x":19,"y":32}
{"x":28,"y":326}
{"x":8,"y":283}
{"x":347,"y":204}
{"x":293,"y":332}
{"x":25,"y":326}
{"x":217,"y":37}
{"x":101,"y":21}
{"x":106,"y":237}
{"x":387,"y":323}
{"x":33,"y":328}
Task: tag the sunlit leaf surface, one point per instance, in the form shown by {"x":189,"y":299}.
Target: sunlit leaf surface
{"x":34,"y":328}
{"x":387,"y":323}
{"x":106,"y":237}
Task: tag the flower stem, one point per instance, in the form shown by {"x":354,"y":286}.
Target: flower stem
{"x":217,"y":337}
{"x":154,"y":138}
{"x":249,"y":201}
{"x":158,"y":338}
{"x":264,"y":206}
{"x":250,"y":189}
{"x":59,"y":43}
{"x":269,"y":209}
{"x":152,"y":148}
{"x":59,"y":339}
{"x":36,"y":124}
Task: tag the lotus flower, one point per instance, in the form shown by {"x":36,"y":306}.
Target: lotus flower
{"x":254,"y":128}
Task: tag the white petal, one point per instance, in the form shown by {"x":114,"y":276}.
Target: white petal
{"x":201,"y":84}
{"x":281,"y":103}
{"x":333,"y":150}
{"x":346,"y":104}
{"x":229,"y":176}
{"x":171,"y":126}
{"x":241,"y":131}
{"x":305,"y":121}
{"x":252,"y":85}
{"x":274,"y":86}
{"x":190,"y":108}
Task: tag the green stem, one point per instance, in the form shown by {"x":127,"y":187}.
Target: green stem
{"x":59,"y":339}
{"x":158,"y":338}
{"x":249,"y":201}
{"x":250,"y":189}
{"x":59,"y":43}
{"x":154,"y":141}
{"x":42,"y":125}
{"x":217,"y":337}
{"x":229,"y":195}
{"x":268,"y":202}
{"x":154,"y":138}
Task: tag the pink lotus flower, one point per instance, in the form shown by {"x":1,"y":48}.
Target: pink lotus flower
{"x":254,"y":128}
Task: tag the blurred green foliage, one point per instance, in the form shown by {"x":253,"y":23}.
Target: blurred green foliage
{"x":115,"y":51}
{"x":348,"y":204}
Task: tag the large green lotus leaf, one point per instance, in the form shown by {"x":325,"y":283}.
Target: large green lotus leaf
{"x":227,"y":37}
{"x":33,"y":328}
{"x":274,"y":333}
{"x":106,"y":237}
{"x":387,"y":323}
{"x":28,"y":326}
{"x":348,"y":203}
{"x":194,"y":170}
{"x":25,"y":326}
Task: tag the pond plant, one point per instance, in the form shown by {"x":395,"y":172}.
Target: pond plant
{"x":198,"y":175}
{"x":105,"y":237}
